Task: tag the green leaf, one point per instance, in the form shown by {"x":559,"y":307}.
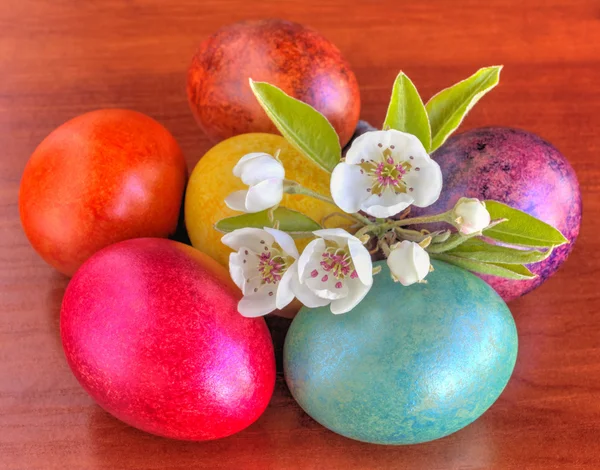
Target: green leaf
{"x":507,"y":271}
{"x":478,"y":250}
{"x":293,"y":222}
{"x":406,"y":111}
{"x":449,"y":107}
{"x":521,"y":228}
{"x":302,"y":125}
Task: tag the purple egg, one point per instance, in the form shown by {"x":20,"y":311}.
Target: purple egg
{"x":522,"y":170}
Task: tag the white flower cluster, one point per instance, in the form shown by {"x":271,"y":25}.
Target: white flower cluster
{"x":384,"y":172}
{"x":335,"y":269}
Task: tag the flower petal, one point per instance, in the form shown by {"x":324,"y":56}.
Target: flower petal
{"x":349,"y":186}
{"x":362,"y":261}
{"x":253,"y":238}
{"x":386,"y":205}
{"x":237,"y":169}
{"x":405,"y":146}
{"x":256,"y":305}
{"x":285,"y":241}
{"x":426,"y":182}
{"x":237,"y":200}
{"x":421,"y":261}
{"x":235,"y":269}
{"x":356,"y":292}
{"x":337,"y":235}
{"x":285,"y":293}
{"x":306,"y":296}
{"x":259,"y":169}
{"x":367,"y":147}
{"x":313,"y":249}
{"x":264,"y":195}
{"x":326,"y":286}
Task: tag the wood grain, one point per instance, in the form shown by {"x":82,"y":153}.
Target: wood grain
{"x":63,"y":57}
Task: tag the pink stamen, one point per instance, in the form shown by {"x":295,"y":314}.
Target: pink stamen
{"x":314,"y":273}
{"x":338,"y":285}
{"x":325,"y":278}
{"x":271,"y":270}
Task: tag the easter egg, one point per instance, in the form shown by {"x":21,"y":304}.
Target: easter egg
{"x":520,"y":169}
{"x":407,"y":364}
{"x":150,"y":329}
{"x":288,"y":55}
{"x":212,"y":180}
{"x":102,"y":177}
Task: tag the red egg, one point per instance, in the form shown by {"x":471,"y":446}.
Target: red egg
{"x":102,"y":177}
{"x":150,"y":329}
{"x":288,"y":55}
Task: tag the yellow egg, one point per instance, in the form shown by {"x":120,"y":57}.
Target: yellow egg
{"x":212,"y":181}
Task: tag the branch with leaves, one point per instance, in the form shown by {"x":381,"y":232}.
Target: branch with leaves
{"x":383,"y":174}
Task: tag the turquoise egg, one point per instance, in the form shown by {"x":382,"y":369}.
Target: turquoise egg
{"x":408,"y":364}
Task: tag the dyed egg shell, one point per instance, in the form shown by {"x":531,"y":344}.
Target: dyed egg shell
{"x":522,"y":170}
{"x":288,"y":55}
{"x":102,"y":177}
{"x":408,"y":364}
{"x":212,"y":181}
{"x":150,"y":329}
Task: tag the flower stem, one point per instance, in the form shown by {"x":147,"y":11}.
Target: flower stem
{"x":385,"y":248}
{"x":411,"y":235}
{"x":427,"y":219}
{"x":365,"y":229}
{"x":293,"y":187}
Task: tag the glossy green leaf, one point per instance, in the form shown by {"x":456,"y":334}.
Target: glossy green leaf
{"x":521,"y":228}
{"x":406,"y":111}
{"x":449,"y":107}
{"x":302,"y":125}
{"x":507,"y":271}
{"x":293,"y":222}
{"x":478,"y":250}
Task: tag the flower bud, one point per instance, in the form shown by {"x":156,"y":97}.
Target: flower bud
{"x":264,"y":175}
{"x":471,"y":216}
{"x":408,"y":262}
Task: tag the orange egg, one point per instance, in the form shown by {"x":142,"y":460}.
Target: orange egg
{"x":102,"y":177}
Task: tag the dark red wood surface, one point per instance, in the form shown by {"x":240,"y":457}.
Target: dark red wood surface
{"x":61,"y":58}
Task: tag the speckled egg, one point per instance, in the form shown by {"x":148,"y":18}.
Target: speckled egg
{"x":288,"y":55}
{"x":408,"y":364}
{"x":522,"y":170}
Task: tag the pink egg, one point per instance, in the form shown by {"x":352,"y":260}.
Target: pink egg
{"x":150,"y":329}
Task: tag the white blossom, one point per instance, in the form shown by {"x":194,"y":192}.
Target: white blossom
{"x":471,"y":216}
{"x":334,"y":269}
{"x":384,"y":173}
{"x":408,"y":262}
{"x":264,"y":175}
{"x":263,"y":267}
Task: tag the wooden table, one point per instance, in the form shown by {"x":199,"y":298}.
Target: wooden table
{"x":61,"y":58}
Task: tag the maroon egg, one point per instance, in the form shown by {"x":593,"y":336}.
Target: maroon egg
{"x":150,"y":329}
{"x":522,"y":170}
{"x":288,"y":55}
